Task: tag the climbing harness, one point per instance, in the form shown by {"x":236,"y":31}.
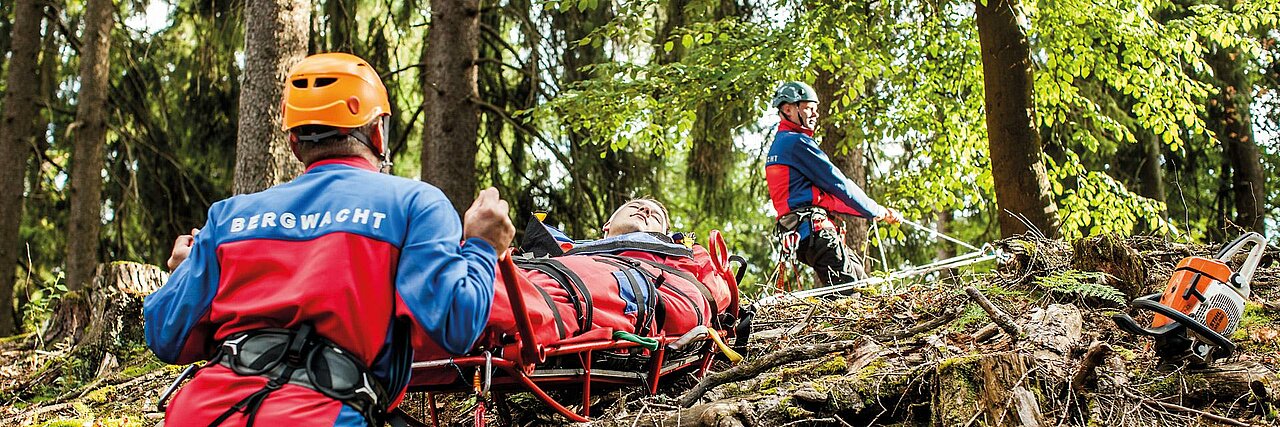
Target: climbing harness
{"x":787,"y":234}
{"x":303,"y":358}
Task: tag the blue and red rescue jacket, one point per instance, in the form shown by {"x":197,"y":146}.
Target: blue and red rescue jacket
{"x":341,"y":247}
{"x":801,"y":175}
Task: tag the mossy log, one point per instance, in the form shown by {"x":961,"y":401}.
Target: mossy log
{"x":1236,"y":382}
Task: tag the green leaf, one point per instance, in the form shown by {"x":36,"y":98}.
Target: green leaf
{"x":686,"y":41}
{"x":668,"y":46}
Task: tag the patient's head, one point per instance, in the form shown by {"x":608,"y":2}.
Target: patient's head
{"x":642,"y":214}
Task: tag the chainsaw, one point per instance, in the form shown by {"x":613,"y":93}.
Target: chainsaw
{"x":1201,"y":307}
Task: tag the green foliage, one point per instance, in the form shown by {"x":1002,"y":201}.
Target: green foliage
{"x":1085,"y":284}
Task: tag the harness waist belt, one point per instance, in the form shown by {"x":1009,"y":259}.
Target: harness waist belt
{"x":792,"y":219}
{"x":319,"y":365}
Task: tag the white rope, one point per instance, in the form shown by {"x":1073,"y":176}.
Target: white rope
{"x":936,"y":233}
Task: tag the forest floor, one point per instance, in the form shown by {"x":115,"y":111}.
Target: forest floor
{"x":922,"y":354}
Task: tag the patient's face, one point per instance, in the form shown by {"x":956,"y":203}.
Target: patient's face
{"x":636,"y":215}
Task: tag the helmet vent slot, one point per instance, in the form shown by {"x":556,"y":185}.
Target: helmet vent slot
{"x":300,"y":83}
{"x":325,"y":81}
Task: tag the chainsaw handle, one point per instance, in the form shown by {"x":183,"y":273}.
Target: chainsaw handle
{"x":1241,"y":279}
{"x":1152,"y":303}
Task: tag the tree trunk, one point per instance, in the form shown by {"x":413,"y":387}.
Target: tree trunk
{"x":1151,"y":175}
{"x":1021,"y":183}
{"x":453,"y":119}
{"x":16,"y":134}
{"x":6,"y":30}
{"x":845,"y":154}
{"x":340,"y":14}
{"x":84,"y":226}
{"x":1232,"y":121}
{"x":276,"y":34}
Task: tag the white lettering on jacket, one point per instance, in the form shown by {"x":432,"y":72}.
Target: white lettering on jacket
{"x":307,"y":221}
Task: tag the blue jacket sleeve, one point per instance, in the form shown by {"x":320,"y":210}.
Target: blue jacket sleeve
{"x":813,"y":163}
{"x":446,"y":287}
{"x":172,"y":315}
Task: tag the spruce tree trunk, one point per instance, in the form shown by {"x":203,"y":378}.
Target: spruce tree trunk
{"x":851,"y":161}
{"x":85,"y":224}
{"x":1021,"y":183}
{"x":1151,"y":175}
{"x":275,"y":38}
{"x":340,"y":14}
{"x":1232,"y":121}
{"x":453,"y":119}
{"x":16,"y":137}
{"x":6,"y":29}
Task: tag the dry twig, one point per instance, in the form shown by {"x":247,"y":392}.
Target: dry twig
{"x":1000,"y":317}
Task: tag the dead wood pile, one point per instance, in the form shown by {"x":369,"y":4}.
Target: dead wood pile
{"x":1044,"y":353}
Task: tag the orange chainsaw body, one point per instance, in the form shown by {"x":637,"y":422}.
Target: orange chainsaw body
{"x":1201,"y":306}
{"x":1191,"y":281}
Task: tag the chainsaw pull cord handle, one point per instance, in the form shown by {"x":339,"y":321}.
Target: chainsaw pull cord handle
{"x":1241,"y":279}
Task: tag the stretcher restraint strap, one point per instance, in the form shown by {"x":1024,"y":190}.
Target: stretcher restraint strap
{"x":660,"y":280}
{"x":645,"y":307}
{"x":573,"y":284}
{"x":702,"y":288}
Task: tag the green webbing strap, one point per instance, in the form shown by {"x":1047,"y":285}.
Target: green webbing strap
{"x":649,"y":343}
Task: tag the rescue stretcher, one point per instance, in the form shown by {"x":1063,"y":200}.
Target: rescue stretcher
{"x":599,"y":358}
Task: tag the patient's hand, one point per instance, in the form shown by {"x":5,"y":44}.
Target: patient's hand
{"x":487,"y":219}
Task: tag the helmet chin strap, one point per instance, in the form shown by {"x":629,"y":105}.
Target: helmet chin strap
{"x":384,"y":164}
{"x":803,"y":121}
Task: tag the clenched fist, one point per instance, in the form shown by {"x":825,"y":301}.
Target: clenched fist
{"x":181,"y":249}
{"x":487,"y":219}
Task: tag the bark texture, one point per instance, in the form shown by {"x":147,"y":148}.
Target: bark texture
{"x":1232,"y":121}
{"x":453,"y":119}
{"x":85,"y":225}
{"x":1022,"y":185}
{"x":276,"y":34}
{"x":16,"y":138}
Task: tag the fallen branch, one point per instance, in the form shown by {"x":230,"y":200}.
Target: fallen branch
{"x":754,"y":367}
{"x":1175,"y":407}
{"x":1001,"y":318}
{"x":944,"y":318}
{"x":1098,"y":352}
{"x":986,"y":332}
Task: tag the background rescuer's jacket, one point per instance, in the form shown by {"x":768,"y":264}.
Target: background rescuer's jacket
{"x":342,"y":247}
{"x":800,"y":175}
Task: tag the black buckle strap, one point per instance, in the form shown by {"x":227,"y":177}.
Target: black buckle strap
{"x":301,"y":358}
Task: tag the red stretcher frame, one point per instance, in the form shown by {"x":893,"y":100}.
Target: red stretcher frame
{"x":520,"y":360}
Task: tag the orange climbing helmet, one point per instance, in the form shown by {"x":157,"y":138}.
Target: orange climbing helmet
{"x":334,"y":89}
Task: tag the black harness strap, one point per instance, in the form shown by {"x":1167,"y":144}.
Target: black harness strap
{"x":660,"y":280}
{"x":304,"y":358}
{"x":573,"y":284}
{"x":560,"y":328}
{"x":292,"y":360}
{"x":702,"y":288}
{"x":645,"y":307}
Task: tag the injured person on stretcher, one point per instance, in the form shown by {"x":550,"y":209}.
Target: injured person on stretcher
{"x":635,"y":280}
